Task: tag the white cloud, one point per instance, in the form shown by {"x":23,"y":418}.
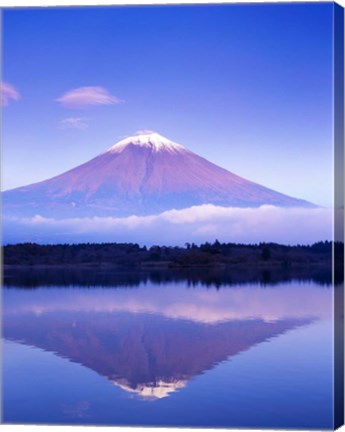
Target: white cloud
{"x":74,"y":123}
{"x":84,"y":97}
{"x":8,"y":92}
{"x":195,"y":224}
{"x":144,"y":132}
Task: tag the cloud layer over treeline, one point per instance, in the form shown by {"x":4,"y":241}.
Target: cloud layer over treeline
{"x":175,"y":227}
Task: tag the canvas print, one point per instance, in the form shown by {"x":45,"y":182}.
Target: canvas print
{"x":173,"y":215}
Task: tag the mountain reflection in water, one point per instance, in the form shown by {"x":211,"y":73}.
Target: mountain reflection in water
{"x":153,"y":340}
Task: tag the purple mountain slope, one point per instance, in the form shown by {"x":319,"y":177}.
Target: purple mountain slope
{"x":143,"y":174}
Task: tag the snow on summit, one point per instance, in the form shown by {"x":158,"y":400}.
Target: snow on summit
{"x":147,"y":139}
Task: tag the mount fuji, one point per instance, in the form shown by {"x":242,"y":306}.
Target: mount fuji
{"x":141,"y":175}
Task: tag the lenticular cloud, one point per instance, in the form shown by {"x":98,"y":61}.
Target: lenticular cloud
{"x":73,"y":123}
{"x":87,"y":96}
{"x":175,"y":227}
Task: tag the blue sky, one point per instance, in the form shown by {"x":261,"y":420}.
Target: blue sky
{"x":249,"y":87}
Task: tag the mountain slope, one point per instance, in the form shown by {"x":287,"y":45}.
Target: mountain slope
{"x":143,"y":174}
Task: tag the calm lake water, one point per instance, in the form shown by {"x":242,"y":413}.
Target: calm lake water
{"x":163,"y":352}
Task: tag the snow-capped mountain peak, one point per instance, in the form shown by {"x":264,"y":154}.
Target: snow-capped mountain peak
{"x":147,"y":139}
{"x":143,"y":174}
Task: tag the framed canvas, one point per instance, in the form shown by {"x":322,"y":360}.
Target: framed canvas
{"x":173,"y":215}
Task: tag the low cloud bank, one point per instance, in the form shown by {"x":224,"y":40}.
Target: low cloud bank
{"x":175,"y":227}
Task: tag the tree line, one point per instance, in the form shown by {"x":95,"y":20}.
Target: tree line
{"x":132,"y":255}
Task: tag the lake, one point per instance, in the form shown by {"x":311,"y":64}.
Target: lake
{"x":167,"y":352}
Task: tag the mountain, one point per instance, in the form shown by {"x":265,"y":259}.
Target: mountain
{"x":140,"y":175}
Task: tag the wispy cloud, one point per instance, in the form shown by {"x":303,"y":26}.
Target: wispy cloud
{"x":83,"y":97}
{"x":8,"y":92}
{"x":74,"y":123}
{"x":195,"y":224}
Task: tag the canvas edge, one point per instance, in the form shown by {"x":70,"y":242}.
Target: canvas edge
{"x":338,"y":252}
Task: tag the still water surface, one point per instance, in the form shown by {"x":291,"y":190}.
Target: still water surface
{"x":169,"y":353}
